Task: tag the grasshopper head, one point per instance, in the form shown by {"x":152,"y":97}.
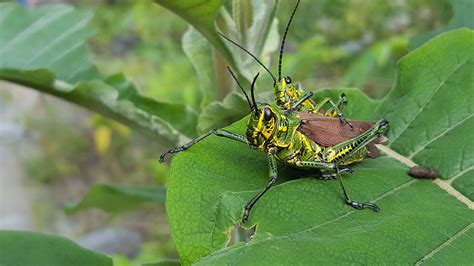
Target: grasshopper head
{"x":261,"y":125}
{"x":263,"y":118}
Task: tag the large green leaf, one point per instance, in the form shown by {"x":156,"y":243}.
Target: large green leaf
{"x":462,"y":17}
{"x":29,"y":248}
{"x":44,"y":49}
{"x":117,"y":198}
{"x":431,"y":106}
{"x":305,"y":221}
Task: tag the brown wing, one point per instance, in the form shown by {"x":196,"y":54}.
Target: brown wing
{"x":329,"y":131}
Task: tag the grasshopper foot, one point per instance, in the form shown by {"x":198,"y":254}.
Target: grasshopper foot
{"x":172,"y":151}
{"x":344,"y":121}
{"x":363,"y":205}
{"x":245,"y":217}
{"x":163,"y":155}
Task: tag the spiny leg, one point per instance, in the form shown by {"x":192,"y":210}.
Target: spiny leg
{"x":334,"y":167}
{"x":341,"y":103}
{"x":273,"y":178}
{"x":340,"y":153}
{"x":333,"y":106}
{"x":355,"y":204}
{"x":330,"y":175}
{"x":218,"y":132}
{"x":343,"y":152}
{"x":305,"y":97}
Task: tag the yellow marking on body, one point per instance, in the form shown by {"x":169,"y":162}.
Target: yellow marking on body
{"x":268,"y":131}
{"x":356,"y":157}
{"x":283,"y":128}
{"x":306,"y":143}
{"x":291,"y":91}
{"x":309,"y":104}
{"x":296,"y":92}
{"x":342,"y":153}
{"x":332,"y":154}
{"x":318,"y":149}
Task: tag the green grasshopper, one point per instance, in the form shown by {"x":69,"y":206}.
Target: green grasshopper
{"x":275,"y":131}
{"x":287,"y":94}
{"x":289,"y":132}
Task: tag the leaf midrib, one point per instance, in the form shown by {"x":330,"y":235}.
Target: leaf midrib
{"x":445,"y":185}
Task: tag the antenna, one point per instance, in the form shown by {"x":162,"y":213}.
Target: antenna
{"x":240,"y":86}
{"x":252,"y":91}
{"x":249,"y":53}
{"x":284,"y":38}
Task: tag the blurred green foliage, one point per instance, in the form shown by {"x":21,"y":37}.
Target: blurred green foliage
{"x":143,"y":40}
{"x":356,"y":43}
{"x":331,"y":44}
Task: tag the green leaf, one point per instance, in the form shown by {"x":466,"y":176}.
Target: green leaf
{"x":375,"y":56}
{"x":199,"y":52}
{"x":44,"y":49}
{"x":221,"y":114}
{"x":465,"y":184}
{"x":260,"y":37}
{"x":462,"y":10}
{"x":179,"y":116}
{"x":305,"y":221}
{"x":431,"y":104}
{"x":201,"y":15}
{"x":50,"y":37}
{"x":117,"y":198}
{"x":264,"y":31}
{"x":30,"y":248}
{"x":261,"y":29}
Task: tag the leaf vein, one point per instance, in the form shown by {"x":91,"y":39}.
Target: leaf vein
{"x":414,"y":153}
{"x":37,"y":25}
{"x":446,"y":243}
{"x":78,"y":26}
{"x":394,"y":138}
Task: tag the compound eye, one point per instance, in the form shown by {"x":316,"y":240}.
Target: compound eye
{"x":267,"y":114}
{"x":288,"y":80}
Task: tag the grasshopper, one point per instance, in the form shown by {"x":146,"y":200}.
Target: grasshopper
{"x":277,"y":132}
{"x":299,"y":134}
{"x":289,"y":96}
